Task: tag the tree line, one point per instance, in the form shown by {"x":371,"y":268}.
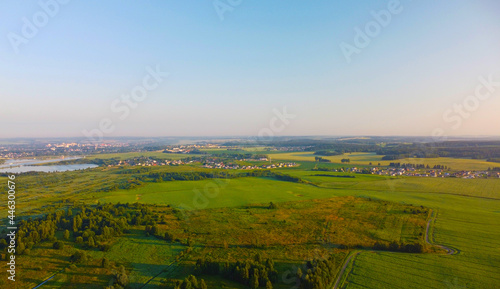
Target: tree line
{"x":87,"y":226}
{"x":255,"y":274}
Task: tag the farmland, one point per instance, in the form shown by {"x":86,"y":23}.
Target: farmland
{"x":316,"y":214}
{"x":365,"y":159}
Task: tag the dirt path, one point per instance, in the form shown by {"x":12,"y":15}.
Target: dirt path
{"x":341,"y":272}
{"x":428,"y":239}
{"x":48,"y":279}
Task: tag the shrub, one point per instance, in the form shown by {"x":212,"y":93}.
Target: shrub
{"x":58,"y":245}
{"x":78,"y":257}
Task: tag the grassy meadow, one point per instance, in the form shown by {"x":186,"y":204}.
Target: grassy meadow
{"x":229,"y":219}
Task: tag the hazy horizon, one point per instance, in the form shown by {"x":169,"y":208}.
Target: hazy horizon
{"x":253,"y":69}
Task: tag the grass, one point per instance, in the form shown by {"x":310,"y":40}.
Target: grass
{"x":468,"y":224}
{"x":367,"y":158}
{"x":227,"y":193}
{"x":144,"y":256}
{"x":346,"y":221}
{"x":242,"y":191}
{"x":468,"y":213}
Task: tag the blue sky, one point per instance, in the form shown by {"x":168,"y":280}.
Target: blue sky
{"x":227,"y":76}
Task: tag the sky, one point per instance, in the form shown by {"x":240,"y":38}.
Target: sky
{"x":246,"y":68}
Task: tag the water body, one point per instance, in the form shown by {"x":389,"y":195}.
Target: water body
{"x":26,"y":165}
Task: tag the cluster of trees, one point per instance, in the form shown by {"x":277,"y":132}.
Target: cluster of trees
{"x":391,"y":157}
{"x":119,"y":280}
{"x":399,"y":247}
{"x":340,"y":147}
{"x":285,"y":177}
{"x":255,"y":274}
{"x":438,"y":167}
{"x":186,"y":176}
{"x":91,"y":226}
{"x":418,"y":166}
{"x":154,"y":230}
{"x":321,"y":160}
{"x":191,"y":283}
{"x":271,"y":174}
{"x":133,"y":171}
{"x":456,"y":149}
{"x":345,"y":160}
{"x":324,"y":169}
{"x":127,"y":184}
{"x":407,"y":166}
{"x":319,"y":273}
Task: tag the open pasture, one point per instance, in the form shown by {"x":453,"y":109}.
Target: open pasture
{"x":225,"y":192}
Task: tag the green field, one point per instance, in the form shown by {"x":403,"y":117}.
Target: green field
{"x":146,"y":256}
{"x":227,"y":193}
{"x":467,"y":224}
{"x":367,"y":158}
{"x":242,"y":191}
{"x":467,"y":220}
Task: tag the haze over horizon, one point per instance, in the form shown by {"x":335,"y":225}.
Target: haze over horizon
{"x":429,"y":67}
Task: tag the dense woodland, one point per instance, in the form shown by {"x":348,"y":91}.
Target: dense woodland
{"x":87,"y":226}
{"x":457,"y":149}
{"x":255,"y":274}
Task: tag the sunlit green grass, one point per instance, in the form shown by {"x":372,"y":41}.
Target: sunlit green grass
{"x":467,"y":224}
{"x":146,"y":256}
{"x":225,"y":192}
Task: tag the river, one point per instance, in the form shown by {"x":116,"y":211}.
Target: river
{"x":28,"y":165}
